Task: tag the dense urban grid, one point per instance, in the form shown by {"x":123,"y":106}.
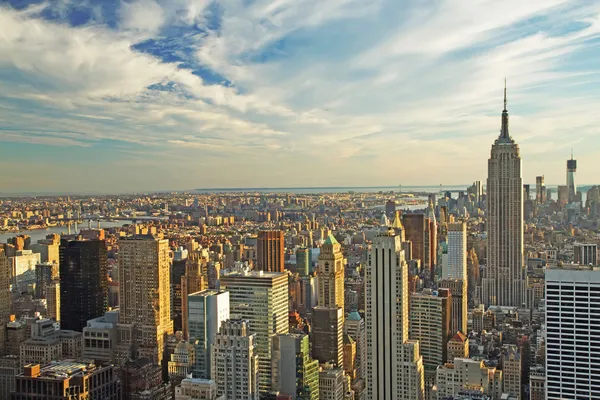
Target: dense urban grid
{"x":486,"y":293}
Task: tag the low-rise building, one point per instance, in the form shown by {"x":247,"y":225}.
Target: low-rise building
{"x":197,"y":389}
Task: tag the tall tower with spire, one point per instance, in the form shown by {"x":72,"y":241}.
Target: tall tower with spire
{"x":571,"y":170}
{"x":503,"y":282}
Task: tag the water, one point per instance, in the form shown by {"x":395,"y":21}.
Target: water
{"x":37,"y":234}
{"x":341,"y":189}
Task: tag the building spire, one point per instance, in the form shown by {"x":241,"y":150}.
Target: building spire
{"x":504,"y":131}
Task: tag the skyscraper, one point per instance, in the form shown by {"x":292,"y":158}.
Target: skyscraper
{"x":83,"y":282}
{"x":303,"y":261}
{"x":144,"y":298}
{"x":503,"y":281}
{"x":206,"y":311}
{"x":328,"y":335}
{"x":355,"y":327}
{"x":295,"y":373}
{"x":262,"y":299}
{"x":394,"y":363}
{"x":571,"y":170}
{"x":540,"y":190}
{"x":4,"y":287}
{"x":431,"y":242}
{"x":270,"y":248}
{"x":572,"y":333}
{"x":331,"y":274}
{"x":457,"y":252}
{"x":458,"y":289}
{"x":234,"y":361}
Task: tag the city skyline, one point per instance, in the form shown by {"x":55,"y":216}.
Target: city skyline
{"x":170,"y":92}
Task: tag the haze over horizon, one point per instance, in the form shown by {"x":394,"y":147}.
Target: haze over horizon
{"x":113,"y":96}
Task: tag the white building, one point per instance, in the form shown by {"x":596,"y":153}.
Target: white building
{"x":100,"y":337}
{"x":207,"y":309}
{"x":572,"y":333}
{"x":394,"y":363}
{"x":332,"y":383}
{"x":585,"y":253}
{"x":262,"y":299}
{"x":457,"y":252}
{"x":468,"y":374}
{"x":197,"y":389}
{"x":23,"y":266}
{"x":503,"y":282}
{"x":235,"y":362}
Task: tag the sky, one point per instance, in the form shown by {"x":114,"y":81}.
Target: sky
{"x":125,"y":96}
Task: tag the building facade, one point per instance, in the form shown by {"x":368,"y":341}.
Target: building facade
{"x":270,"y":251}
{"x":460,"y":302}
{"x":328,"y":339}
{"x":295,"y":373}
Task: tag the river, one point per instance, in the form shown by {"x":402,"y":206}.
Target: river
{"x":37,"y":234}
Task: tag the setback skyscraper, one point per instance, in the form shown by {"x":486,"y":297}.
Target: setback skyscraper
{"x":503,"y":280}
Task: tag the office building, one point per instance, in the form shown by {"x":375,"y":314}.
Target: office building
{"x":4,"y":287}
{"x":585,"y":253}
{"x":465,"y":373}
{"x":537,"y":384}
{"x":194,"y":280}
{"x":430,"y":243}
{"x":414,"y":232}
{"x":52,"y":293}
{"x":181,"y":362}
{"x":197,"y":389}
{"x":540,"y":190}
{"x":143,"y":379}
{"x":355,"y":327}
{"x":332,"y":383}
{"x":511,"y":371}
{"x":22,"y":266}
{"x":270,"y":251}
{"x":563,"y":195}
{"x":206,"y":312}
{"x":328,"y":335}
{"x":10,"y":367}
{"x":503,"y":282}
{"x":458,"y":290}
{"x":303,"y":261}
{"x":457,"y":252}
{"x":390,"y":209}
{"x":234,"y":362}
{"x":429,"y":324}
{"x":458,"y":347}
{"x":394,"y":363}
{"x":262,"y":299}
{"x":144,"y":298}
{"x":100,"y":337}
{"x":571,"y":170}
{"x":83,"y":282}
{"x":68,"y":379}
{"x":572,"y":333}
{"x":45,"y":273}
{"x":295,"y":373}
{"x":331,"y":274}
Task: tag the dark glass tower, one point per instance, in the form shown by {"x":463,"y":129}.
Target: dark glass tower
{"x":83,"y":282}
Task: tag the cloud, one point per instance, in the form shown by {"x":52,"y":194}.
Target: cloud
{"x":370,"y":92}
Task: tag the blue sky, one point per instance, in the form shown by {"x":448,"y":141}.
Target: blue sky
{"x":113,"y":95}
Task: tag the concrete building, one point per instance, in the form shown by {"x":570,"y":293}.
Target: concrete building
{"x":537,"y":385}
{"x":234,"y":362}
{"x":511,"y":371}
{"x":100,"y":337}
{"x":194,"y":280}
{"x":355,"y":327}
{"x":10,"y":367}
{"x":143,"y":379}
{"x":460,"y":309}
{"x":197,"y":389}
{"x":262,"y":299}
{"x":503,"y":282}
{"x":303,"y":262}
{"x":457,"y":251}
{"x":331,"y":274}
{"x":206,"y":312}
{"x":4,"y":287}
{"x":295,"y":373}
{"x":394,"y":363}
{"x":45,"y":274}
{"x":270,"y":251}
{"x":52,"y":292}
{"x":332,"y":383}
{"x":572,"y":333}
{"x":22,"y":266}
{"x":585,"y":253}
{"x":181,"y":362}
{"x":429,"y":324}
{"x":328,"y":335}
{"x":144,"y":298}
{"x":468,"y":374}
{"x":458,"y":347}
{"x":83,"y":282}
{"x":68,"y":379}
{"x":540,"y":190}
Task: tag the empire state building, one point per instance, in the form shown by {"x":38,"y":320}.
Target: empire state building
{"x":503,"y":282}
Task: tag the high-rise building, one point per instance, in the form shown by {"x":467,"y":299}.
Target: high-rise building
{"x":270,"y":251}
{"x":503,"y":283}
{"x":181,"y":363}
{"x":585,"y":253}
{"x":540,"y":190}
{"x":100,"y":337}
{"x":68,"y":379}
{"x":466,"y":373}
{"x":194,"y":280}
{"x":429,"y":324}
{"x":414,"y":231}
{"x":331,"y":274}
{"x":457,"y":252}
{"x":458,"y":289}
{"x":394,"y":363}
{"x":390,"y":209}
{"x":571,"y":170}
{"x":4,"y":288}
{"x":328,"y":335}
{"x":431,"y":242}
{"x":303,"y":261}
{"x":206,"y":311}
{"x":144,"y":298}
{"x":143,"y":379}
{"x":295,"y":373}
{"x":262,"y":299}
{"x":83,"y":282}
{"x":52,"y":293}
{"x":10,"y":367}
{"x":572,"y":333}
{"x":458,"y":347}
{"x":355,"y":327}
{"x":234,"y":361}
{"x":332,"y":383}
{"x":563,"y":195}
{"x":511,"y":371}
{"x":45,"y":273}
